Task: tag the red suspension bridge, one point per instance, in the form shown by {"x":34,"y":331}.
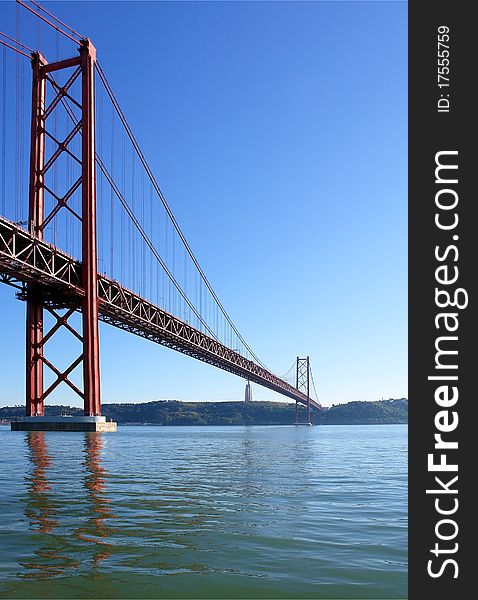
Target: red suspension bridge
{"x":97,"y":236}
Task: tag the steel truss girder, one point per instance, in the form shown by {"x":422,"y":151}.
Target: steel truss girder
{"x":127,"y":310}
{"x":124,"y":309}
{"x":35,"y":261}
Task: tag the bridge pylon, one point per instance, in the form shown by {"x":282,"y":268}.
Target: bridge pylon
{"x":303,"y":385}
{"x":81,"y":112}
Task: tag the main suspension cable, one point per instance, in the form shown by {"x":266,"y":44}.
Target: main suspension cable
{"x":16,"y":42}
{"x":37,"y":14}
{"x":40,"y":7}
{"x":139,"y":227}
{"x":313,"y":385}
{"x":7,"y":45}
{"x":161,"y":196}
{"x":145,"y":237}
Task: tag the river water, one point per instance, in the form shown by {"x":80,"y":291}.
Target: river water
{"x":205,"y":512}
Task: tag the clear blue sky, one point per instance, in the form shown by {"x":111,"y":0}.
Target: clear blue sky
{"x":278,"y":132}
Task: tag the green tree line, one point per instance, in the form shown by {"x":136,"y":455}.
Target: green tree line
{"x":174,"y":412}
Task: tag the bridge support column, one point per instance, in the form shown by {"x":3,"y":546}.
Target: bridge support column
{"x":34,"y":317}
{"x":83,"y":66}
{"x":89,"y":273}
{"x":303,"y":384}
{"x":308,"y":390}
{"x":34,"y":355}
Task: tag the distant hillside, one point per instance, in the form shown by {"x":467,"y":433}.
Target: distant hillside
{"x":367,"y":413}
{"x":174,"y":412}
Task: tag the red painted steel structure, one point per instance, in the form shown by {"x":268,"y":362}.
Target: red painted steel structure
{"x":25,"y":259}
{"x":83,"y":66}
{"x":49,"y":279}
{"x":34,"y":326}
{"x":89,"y":273}
{"x":303,"y":385}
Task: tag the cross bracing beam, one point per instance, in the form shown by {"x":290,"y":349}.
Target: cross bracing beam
{"x":57,"y":276}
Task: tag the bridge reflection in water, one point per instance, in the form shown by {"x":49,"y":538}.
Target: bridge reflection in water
{"x":57,"y":552}
{"x":40,"y":508}
{"x":96,"y":530}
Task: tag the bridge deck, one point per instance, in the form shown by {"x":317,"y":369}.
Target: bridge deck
{"x":57,"y":276}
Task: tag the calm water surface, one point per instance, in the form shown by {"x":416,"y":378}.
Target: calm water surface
{"x":204,"y":512}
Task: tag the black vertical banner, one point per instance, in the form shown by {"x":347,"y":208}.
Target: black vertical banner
{"x":443,"y":243}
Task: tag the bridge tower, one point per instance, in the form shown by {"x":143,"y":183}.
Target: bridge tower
{"x":83,"y":123}
{"x":303,"y":385}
